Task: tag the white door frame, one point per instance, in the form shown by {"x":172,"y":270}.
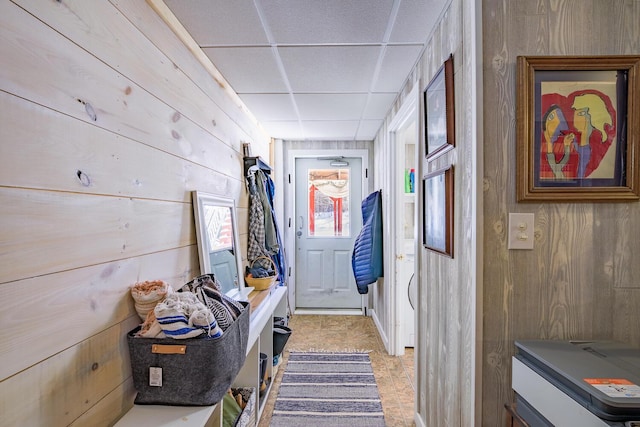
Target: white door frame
{"x":292,"y":155}
{"x":395,"y":293}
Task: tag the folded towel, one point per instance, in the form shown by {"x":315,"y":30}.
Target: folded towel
{"x":205,"y":320}
{"x":147,"y":294}
{"x":151,"y":328}
{"x":173,"y":320}
{"x":207,"y":290}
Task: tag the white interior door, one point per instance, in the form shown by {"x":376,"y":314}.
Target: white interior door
{"x":328,"y":194}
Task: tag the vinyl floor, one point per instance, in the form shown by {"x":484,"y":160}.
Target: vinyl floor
{"x":394,"y":375}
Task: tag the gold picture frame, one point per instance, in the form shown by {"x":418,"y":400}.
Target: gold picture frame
{"x":578,"y":128}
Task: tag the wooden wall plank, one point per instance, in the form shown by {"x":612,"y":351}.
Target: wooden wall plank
{"x":141,"y":13}
{"x":65,"y":308}
{"x":83,"y":158}
{"x":447,"y":285}
{"x":94,"y":27}
{"x":621,"y":265}
{"x":60,"y":389}
{"x":79,"y":84}
{"x":119,"y":401}
{"x":625,"y":316}
{"x":66,"y":231}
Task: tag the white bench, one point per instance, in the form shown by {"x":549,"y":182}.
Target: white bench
{"x":170,"y":416}
{"x":260,"y":340}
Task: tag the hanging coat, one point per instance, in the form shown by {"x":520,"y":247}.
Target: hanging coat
{"x":264,"y":236}
{"x":279,"y":257}
{"x":366,"y":259}
{"x":256,"y":244}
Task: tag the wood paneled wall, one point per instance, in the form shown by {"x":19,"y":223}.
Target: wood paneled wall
{"x":580,"y":281}
{"x":108,"y":123}
{"x":446,"y":322}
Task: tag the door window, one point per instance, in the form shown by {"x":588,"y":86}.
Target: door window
{"x":328,"y":201}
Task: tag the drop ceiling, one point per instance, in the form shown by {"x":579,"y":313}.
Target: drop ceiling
{"x":313,"y":69}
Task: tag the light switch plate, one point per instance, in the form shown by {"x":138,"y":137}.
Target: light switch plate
{"x":521,"y":228}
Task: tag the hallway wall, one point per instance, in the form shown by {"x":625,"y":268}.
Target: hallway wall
{"x":581,"y":280}
{"x":108,"y":123}
{"x":446,"y":388}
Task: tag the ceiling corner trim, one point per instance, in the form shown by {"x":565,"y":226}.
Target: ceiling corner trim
{"x":181,"y":32}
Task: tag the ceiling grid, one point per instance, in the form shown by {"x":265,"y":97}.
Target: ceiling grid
{"x":309,"y":69}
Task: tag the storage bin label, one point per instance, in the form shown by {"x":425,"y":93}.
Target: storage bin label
{"x":155,"y":376}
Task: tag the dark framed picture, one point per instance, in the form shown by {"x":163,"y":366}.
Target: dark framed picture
{"x":439,"y":122}
{"x":437,"y":211}
{"x":578,"y":128}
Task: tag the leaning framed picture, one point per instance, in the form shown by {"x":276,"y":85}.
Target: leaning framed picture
{"x":437,"y":211}
{"x":578,"y":128}
{"x":439,"y":109}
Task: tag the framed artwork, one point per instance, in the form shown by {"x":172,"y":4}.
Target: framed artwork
{"x":437,"y":211}
{"x":578,"y":128}
{"x":439,"y":122}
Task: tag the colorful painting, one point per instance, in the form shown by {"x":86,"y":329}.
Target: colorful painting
{"x":577,"y":132}
{"x":577,"y":129}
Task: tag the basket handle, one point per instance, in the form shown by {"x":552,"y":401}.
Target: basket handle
{"x":168,"y":349}
{"x":273,"y":264}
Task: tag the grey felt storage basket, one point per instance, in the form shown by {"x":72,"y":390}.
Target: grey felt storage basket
{"x":195,"y":371}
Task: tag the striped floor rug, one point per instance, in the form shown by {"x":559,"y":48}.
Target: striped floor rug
{"x":328,"y":389}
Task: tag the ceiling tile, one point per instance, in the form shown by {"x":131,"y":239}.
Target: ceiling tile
{"x":331,"y":129}
{"x":284,"y":129}
{"x":368,"y":129}
{"x":239,"y":65}
{"x":308,"y":73}
{"x":220,"y":22}
{"x":378,"y":105}
{"x":330,"y":68}
{"x":330,"y":106}
{"x":398,"y":61}
{"x":415,"y":20}
{"x":326,"y":21}
{"x":270,"y":106}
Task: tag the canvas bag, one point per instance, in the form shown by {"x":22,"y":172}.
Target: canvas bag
{"x":188,"y":372}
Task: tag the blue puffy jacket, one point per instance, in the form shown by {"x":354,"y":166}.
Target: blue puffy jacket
{"x":366,"y":259}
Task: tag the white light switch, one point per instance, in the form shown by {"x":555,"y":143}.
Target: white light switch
{"x":521,"y":227}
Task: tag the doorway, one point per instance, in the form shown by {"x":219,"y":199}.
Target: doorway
{"x":326,"y":194}
{"x":403,"y":139}
{"x":405,"y":228}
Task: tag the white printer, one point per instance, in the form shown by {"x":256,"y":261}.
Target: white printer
{"x":577,"y":383}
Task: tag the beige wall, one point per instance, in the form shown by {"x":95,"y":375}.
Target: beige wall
{"x":108,"y":123}
{"x":581,"y":280}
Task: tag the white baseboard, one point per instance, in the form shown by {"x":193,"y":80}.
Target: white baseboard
{"x":383,"y":335}
{"x":339,"y":312}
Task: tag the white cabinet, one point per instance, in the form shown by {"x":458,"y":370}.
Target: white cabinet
{"x":261,"y":341}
